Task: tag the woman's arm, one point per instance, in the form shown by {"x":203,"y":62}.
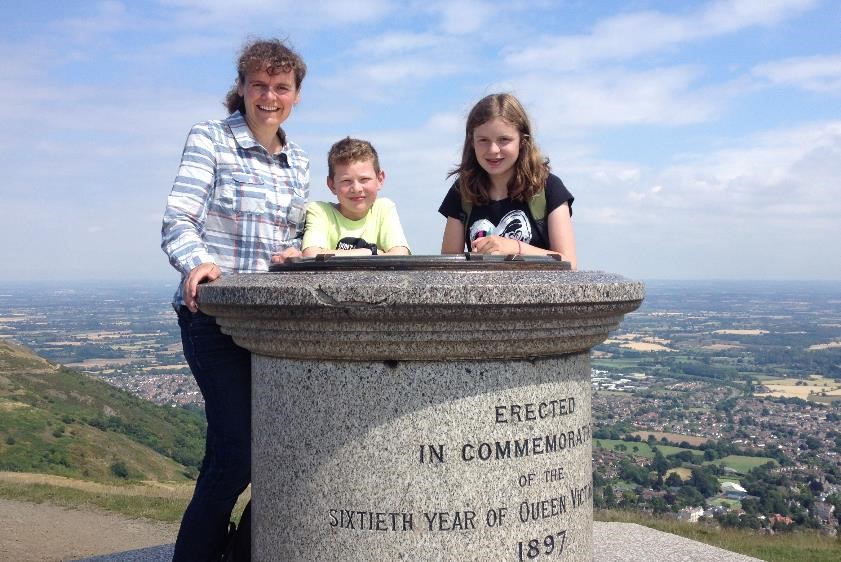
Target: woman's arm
{"x":185,"y":214}
{"x":453,"y":242}
{"x":187,"y":204}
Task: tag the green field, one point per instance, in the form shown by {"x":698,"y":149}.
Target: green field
{"x":643,"y":449}
{"x":615,"y":364}
{"x":733,"y":504}
{"x":741,"y":463}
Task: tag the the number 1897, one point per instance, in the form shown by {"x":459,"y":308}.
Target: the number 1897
{"x":535,"y":547}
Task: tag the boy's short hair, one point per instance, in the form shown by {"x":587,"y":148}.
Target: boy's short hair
{"x":351,"y":150}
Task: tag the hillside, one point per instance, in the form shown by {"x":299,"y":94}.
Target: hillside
{"x":54,"y":420}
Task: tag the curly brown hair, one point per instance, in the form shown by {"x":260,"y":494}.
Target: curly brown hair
{"x":350,"y":150}
{"x":271,"y":55}
{"x":531,"y":168}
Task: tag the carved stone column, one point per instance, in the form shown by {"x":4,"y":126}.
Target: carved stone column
{"x":433,"y":414}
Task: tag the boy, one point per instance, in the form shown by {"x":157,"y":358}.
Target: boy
{"x":360,"y":224}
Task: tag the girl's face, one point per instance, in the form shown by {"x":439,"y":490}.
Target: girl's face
{"x":497,"y":147}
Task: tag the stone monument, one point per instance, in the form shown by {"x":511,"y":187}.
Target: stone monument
{"x":424,"y":408}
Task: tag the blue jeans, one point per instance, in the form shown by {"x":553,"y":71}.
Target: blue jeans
{"x":222,"y":370}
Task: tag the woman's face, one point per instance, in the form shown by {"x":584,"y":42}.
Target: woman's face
{"x":268,"y":99}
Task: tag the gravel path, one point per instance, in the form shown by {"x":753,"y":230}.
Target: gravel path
{"x":39,"y":532}
{"x":32,"y":532}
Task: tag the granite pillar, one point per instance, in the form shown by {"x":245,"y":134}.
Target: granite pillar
{"x":421,"y":415}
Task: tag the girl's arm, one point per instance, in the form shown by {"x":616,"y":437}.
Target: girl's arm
{"x":397,"y":251}
{"x":561,"y":240}
{"x":561,"y":234}
{"x":453,"y":242}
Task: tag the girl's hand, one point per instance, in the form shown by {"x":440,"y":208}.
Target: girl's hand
{"x":495,"y":245}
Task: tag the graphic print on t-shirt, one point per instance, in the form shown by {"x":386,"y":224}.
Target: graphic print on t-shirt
{"x":351,"y":243}
{"x":514,"y":224}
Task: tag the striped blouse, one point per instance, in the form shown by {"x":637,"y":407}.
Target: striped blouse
{"x":233,"y":203}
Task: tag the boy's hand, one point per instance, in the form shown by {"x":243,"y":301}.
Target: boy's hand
{"x":286,"y":254}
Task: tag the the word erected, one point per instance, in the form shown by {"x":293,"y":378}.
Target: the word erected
{"x":532,"y":411}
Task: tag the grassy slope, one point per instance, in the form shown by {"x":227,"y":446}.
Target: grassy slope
{"x":54,"y":420}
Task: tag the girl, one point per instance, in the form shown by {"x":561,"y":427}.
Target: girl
{"x":505,"y":200}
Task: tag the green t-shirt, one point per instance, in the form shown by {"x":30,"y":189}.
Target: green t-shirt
{"x":327,"y":227}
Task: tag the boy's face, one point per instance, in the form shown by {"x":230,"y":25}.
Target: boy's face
{"x":355,"y":184}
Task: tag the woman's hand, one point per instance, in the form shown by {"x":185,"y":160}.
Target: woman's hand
{"x":199,"y":274}
{"x":495,"y":245}
{"x":286,"y":254}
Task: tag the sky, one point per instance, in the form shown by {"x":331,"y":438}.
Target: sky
{"x":701,"y":139}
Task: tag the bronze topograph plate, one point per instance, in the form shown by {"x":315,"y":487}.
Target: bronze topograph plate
{"x":461,"y":262}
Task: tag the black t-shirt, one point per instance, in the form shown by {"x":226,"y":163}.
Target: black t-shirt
{"x":505,"y":217}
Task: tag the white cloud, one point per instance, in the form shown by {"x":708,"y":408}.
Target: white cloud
{"x":390,"y":79}
{"x":279,"y":14}
{"x":821,"y":73}
{"x":107,"y":17}
{"x":663,"y":96}
{"x":399,"y":43}
{"x":726,"y":16}
{"x":782,"y":178}
{"x":465,"y":16}
{"x":631,"y":35}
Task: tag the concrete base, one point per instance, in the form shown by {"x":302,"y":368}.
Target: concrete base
{"x":421,"y":415}
{"x":613,"y":542}
{"x":423,"y":461}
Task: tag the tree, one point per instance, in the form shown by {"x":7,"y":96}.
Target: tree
{"x":659,"y":464}
{"x":750,"y":505}
{"x":689,"y":495}
{"x":609,"y":497}
{"x":704,"y":482}
{"x":659,"y":505}
{"x":813,"y":442}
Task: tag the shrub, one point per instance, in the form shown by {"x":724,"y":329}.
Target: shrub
{"x":119,"y":469}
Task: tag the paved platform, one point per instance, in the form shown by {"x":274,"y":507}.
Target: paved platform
{"x":612,"y":542}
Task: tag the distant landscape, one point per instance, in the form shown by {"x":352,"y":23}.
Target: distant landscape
{"x":715,"y":406}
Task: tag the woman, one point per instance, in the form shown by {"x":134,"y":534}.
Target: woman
{"x":238,"y":198}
